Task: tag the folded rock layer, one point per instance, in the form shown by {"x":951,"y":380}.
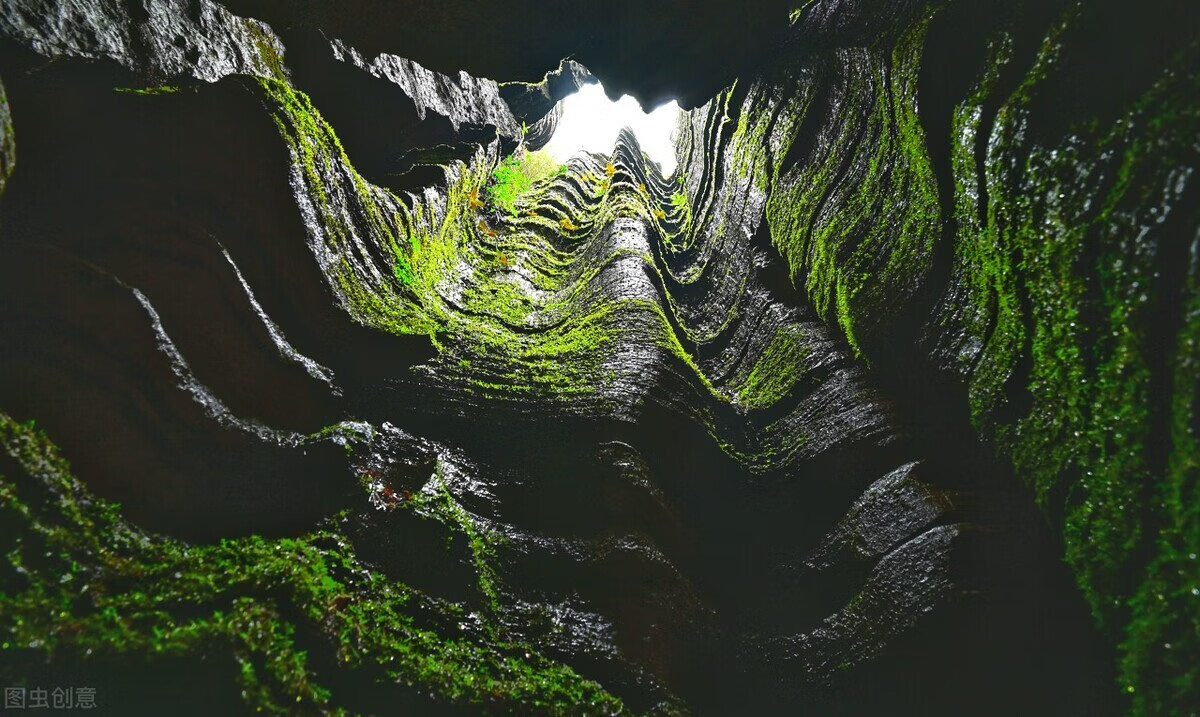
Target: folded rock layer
{"x":806,"y":426}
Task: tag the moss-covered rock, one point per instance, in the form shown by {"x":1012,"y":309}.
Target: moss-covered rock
{"x":81,"y":581}
{"x":1048,"y":267}
{"x":760,"y":476}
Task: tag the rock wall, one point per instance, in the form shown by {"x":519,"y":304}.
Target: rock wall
{"x":700,"y":443}
{"x":998,"y":202}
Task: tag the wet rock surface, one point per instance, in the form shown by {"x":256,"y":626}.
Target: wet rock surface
{"x":998,"y":230}
{"x":750,"y":438}
{"x":674,"y":50}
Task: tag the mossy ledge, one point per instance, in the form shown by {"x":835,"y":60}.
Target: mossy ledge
{"x":1045,"y":265}
{"x":80,"y":580}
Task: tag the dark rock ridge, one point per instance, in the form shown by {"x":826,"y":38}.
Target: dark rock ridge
{"x":656,"y":51}
{"x":531,"y":101}
{"x":998,"y":201}
{"x":765,"y":436}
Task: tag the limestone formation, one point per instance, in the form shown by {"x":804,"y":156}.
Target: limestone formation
{"x":808,"y":426}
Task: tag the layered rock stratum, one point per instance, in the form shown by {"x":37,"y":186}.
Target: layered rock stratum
{"x":883,"y":402}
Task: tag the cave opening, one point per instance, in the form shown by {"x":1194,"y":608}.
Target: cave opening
{"x":591,"y":121}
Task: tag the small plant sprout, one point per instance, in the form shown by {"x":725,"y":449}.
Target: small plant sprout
{"x":568,"y":225}
{"x":515,"y":175}
{"x":642,"y":189}
{"x":503,"y":259}
{"x":610,"y":170}
{"x":475,"y":203}
{"x":660,"y":214}
{"x":678,"y":199}
{"x":508,"y":184}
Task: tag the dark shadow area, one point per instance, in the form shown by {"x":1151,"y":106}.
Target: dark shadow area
{"x":654,"y":51}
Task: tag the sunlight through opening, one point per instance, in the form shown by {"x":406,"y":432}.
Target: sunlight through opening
{"x":591,"y":122}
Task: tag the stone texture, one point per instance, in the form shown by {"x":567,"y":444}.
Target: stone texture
{"x":656,"y":424}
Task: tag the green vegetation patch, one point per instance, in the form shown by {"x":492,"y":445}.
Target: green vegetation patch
{"x":82,"y":583}
{"x":858,"y":218}
{"x":1065,"y":313}
{"x":516,"y":174}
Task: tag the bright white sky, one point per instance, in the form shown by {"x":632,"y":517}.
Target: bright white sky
{"x":591,"y":122}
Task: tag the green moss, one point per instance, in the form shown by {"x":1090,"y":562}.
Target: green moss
{"x":83,"y":583}
{"x":751,"y":142}
{"x":481,"y":547}
{"x":1054,"y":311}
{"x":1060,"y":275}
{"x":8,"y":140}
{"x":798,"y":12}
{"x":331,"y":184}
{"x":995,"y":253}
{"x":1160,"y":665}
{"x":1058,"y":248}
{"x":516,"y":175}
{"x":775,"y":372}
{"x":149,"y":91}
{"x":487,"y":266}
{"x":861,"y":262}
{"x":515,"y":314}
{"x":509,"y":182}
{"x":964,"y":317}
{"x":270,"y":50}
